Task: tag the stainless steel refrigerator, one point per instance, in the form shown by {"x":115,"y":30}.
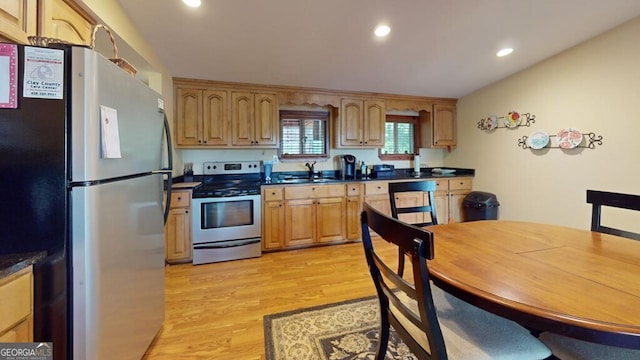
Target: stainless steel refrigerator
{"x":84,"y":160}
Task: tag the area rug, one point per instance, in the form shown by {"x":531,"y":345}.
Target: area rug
{"x":345,"y":330}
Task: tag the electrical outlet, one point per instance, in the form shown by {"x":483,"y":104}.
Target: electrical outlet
{"x":275,"y":159}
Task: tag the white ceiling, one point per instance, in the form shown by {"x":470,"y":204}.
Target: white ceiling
{"x":442,"y":48}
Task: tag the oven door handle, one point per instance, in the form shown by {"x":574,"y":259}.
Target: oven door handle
{"x":223,"y":245}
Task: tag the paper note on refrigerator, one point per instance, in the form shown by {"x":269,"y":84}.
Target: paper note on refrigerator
{"x":110,"y":134}
{"x":8,"y":75}
{"x":43,"y":73}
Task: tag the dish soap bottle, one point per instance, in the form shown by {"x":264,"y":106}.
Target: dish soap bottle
{"x":363,"y":170}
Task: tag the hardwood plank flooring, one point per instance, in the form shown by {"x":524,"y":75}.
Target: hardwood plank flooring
{"x":215,"y":311}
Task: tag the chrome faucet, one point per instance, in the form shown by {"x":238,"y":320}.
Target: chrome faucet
{"x":311,"y":171}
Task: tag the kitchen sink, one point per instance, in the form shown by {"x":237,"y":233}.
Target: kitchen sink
{"x":306,"y":180}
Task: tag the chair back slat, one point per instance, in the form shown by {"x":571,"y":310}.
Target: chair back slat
{"x":598,"y":199}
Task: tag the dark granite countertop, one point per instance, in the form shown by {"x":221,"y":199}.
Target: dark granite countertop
{"x":12,"y":263}
{"x":293,"y":178}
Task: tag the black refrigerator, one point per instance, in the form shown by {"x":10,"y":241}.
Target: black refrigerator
{"x":84,"y":158}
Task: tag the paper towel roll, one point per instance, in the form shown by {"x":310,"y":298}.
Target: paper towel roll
{"x":416,"y":164}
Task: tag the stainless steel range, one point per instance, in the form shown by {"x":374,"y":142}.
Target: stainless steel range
{"x":227,"y":212}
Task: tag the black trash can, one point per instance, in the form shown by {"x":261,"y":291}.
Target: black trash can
{"x":479,"y":205}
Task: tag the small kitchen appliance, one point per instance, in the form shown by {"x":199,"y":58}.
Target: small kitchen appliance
{"x":348,"y":170}
{"x":382,"y":171}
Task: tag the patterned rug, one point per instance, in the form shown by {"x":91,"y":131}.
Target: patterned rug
{"x":345,"y":330}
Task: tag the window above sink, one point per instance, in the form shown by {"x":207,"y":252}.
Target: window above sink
{"x":304,"y":135}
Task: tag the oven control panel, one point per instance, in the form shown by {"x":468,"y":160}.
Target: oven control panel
{"x":231,"y":168}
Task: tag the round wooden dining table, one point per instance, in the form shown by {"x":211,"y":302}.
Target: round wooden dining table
{"x":578,"y":283}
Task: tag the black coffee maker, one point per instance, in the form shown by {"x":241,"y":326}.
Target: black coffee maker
{"x":348,"y":167}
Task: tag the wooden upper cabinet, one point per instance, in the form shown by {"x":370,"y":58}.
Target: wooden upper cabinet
{"x":254,"y":119}
{"x":438,"y":127}
{"x":266,"y":119}
{"x":242,"y":118}
{"x":201,"y":117}
{"x":215,"y":118}
{"x":188,"y":117}
{"x":374,"y":123}
{"x":361,"y":123}
{"x":57,"y":19}
{"x":18,"y":19}
{"x":351,"y":123}
{"x":444,"y":125}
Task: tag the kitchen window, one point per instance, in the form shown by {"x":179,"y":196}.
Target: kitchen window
{"x":304,"y":135}
{"x":400,"y":137}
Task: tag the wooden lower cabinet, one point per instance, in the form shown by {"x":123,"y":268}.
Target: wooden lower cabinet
{"x":300,"y":218}
{"x":273,"y":225}
{"x":449,"y":197}
{"x":303,"y":215}
{"x":353,"y":208}
{"x":330,"y":219}
{"x":178,"y":243}
{"x":376,"y":194}
{"x":297,"y":216}
{"x":16,"y":307}
{"x":314,"y":214}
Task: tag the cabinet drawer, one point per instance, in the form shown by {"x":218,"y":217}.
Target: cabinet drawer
{"x":180,"y":199}
{"x":376,"y":188}
{"x":18,"y":333}
{"x":15,"y":298}
{"x":272,"y":194}
{"x":314,"y":191}
{"x":353,"y":189}
{"x":460,"y":184}
{"x":442,"y":185}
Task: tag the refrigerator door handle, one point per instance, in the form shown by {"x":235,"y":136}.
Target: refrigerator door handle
{"x":169,"y":148}
{"x":167,"y":204}
{"x":168,"y":170}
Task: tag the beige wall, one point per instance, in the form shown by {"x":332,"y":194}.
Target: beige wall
{"x":594,"y":87}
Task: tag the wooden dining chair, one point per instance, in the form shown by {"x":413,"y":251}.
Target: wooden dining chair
{"x":434,"y":324}
{"x":617,"y":200}
{"x":415,"y":212}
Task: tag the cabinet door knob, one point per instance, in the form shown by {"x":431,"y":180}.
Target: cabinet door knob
{"x":186,"y":211}
{"x":179,"y":198}
{"x":273,"y":193}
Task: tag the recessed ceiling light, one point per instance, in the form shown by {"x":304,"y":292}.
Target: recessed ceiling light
{"x":192,"y":3}
{"x":382,"y":30}
{"x":504,"y":52}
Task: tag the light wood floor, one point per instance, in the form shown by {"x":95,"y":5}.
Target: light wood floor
{"x":215,"y":311}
